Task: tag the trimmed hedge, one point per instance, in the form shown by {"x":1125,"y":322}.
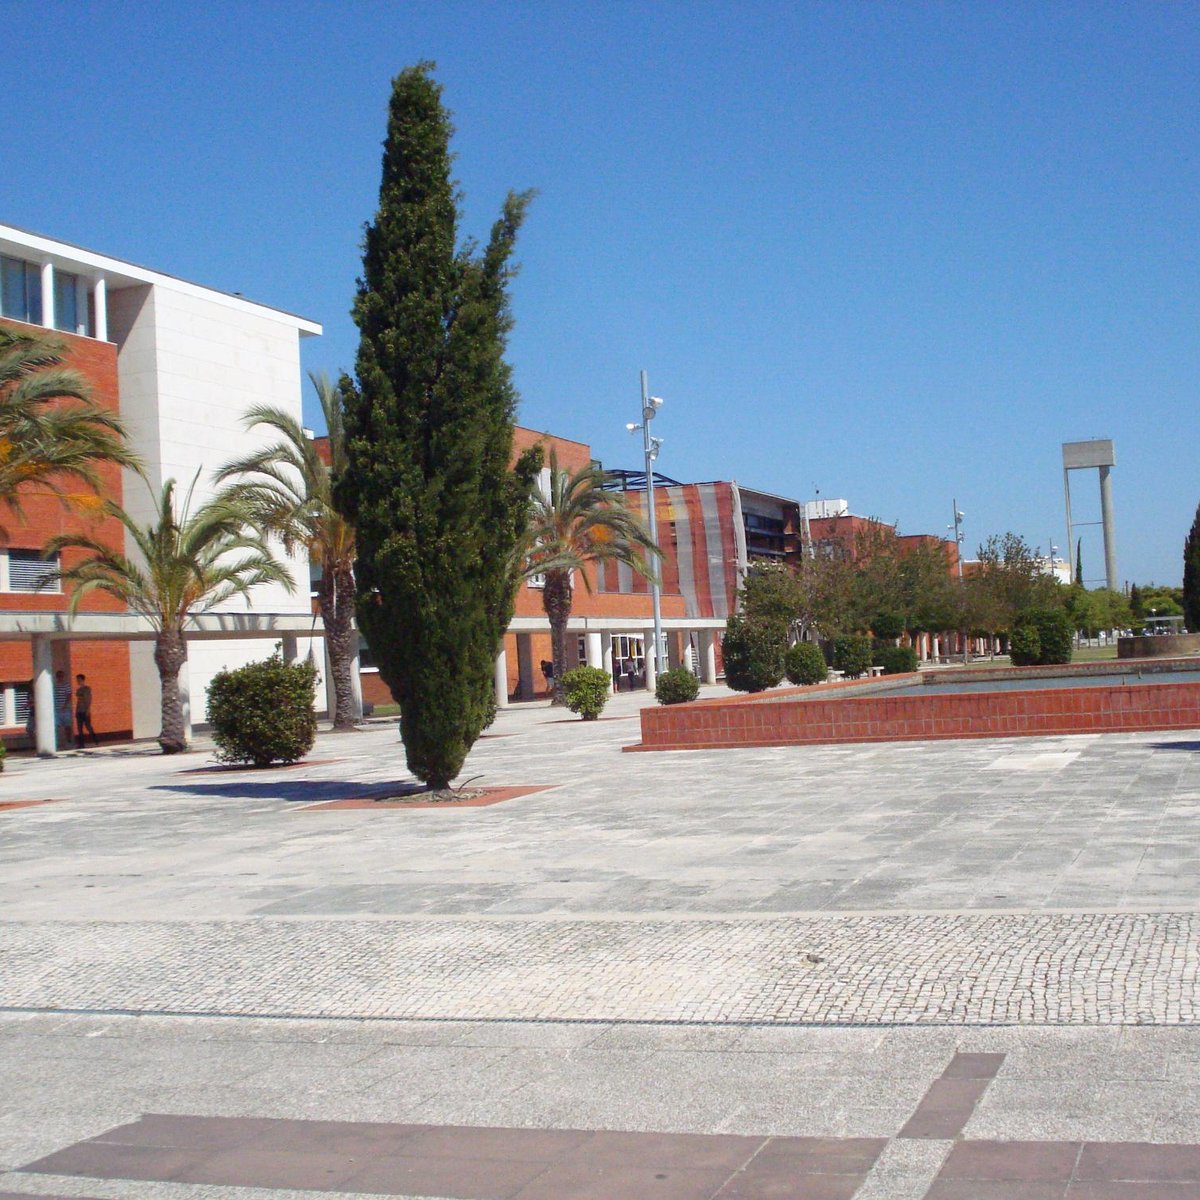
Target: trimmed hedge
{"x":263,"y":712}
{"x":896,"y":660}
{"x":677,"y":686}
{"x":852,"y":654}
{"x":586,"y":691}
{"x":805,"y":664}
{"x":1024,"y":646}
{"x":1055,"y":635}
{"x":753,"y":653}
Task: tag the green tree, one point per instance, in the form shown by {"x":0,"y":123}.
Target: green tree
{"x":754,"y":653}
{"x":574,"y":525}
{"x":51,"y":430}
{"x":1135,"y":602}
{"x":437,"y":512}
{"x":187,"y":563}
{"x":1191,"y":575}
{"x":287,"y":487}
{"x":1011,"y":582}
{"x":1079,"y":561}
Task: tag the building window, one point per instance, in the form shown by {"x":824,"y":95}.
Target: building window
{"x":28,"y":571}
{"x":66,"y":309}
{"x":537,"y":581}
{"x":20,"y":291}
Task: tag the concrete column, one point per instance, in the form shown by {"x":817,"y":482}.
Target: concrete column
{"x":185,"y":699}
{"x":43,"y":697}
{"x":708,"y":656}
{"x":595,"y":650}
{"x":100,"y":301}
{"x":606,"y":657}
{"x":48,"y":295}
{"x":651,"y":674}
{"x":674,"y":655}
{"x":525,"y":664}
{"x":500,"y":678}
{"x":1106,"y":519}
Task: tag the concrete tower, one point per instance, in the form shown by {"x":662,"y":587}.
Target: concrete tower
{"x":1083,"y":456}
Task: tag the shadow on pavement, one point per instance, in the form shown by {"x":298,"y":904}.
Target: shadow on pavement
{"x":298,"y":791}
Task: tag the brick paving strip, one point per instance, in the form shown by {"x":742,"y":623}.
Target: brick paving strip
{"x":948,"y":969}
{"x":474,"y":1163}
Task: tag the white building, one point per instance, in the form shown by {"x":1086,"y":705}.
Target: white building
{"x":191,"y":361}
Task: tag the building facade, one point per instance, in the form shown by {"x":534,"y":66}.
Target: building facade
{"x":181,"y":364}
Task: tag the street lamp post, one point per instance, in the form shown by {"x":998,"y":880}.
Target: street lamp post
{"x":650,"y":448}
{"x":958,"y":555}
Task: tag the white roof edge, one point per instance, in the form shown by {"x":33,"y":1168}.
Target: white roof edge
{"x":119,"y":269}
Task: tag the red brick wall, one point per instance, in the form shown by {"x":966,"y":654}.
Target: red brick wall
{"x":779,"y":720}
{"x":43,"y":516}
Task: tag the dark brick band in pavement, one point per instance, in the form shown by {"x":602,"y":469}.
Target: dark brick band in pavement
{"x":475,"y":1163}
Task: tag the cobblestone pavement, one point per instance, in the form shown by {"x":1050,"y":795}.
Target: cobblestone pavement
{"x":964,"y":969}
{"x":786,"y":942}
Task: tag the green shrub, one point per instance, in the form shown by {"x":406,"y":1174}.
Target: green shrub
{"x":586,"y":691}
{"x":3,"y":754}
{"x":805,"y":664}
{"x":263,"y":712}
{"x":896,"y":660}
{"x":753,"y":653}
{"x":852,"y":654}
{"x":887,"y":624}
{"x":677,"y":686}
{"x":1024,"y":645}
{"x":1055,"y":635}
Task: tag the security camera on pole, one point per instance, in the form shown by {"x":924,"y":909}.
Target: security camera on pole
{"x":651,"y":447}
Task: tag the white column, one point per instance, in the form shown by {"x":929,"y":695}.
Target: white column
{"x":100,"y":300}
{"x":606,"y":660}
{"x":43,"y":697}
{"x":501,"y":678}
{"x":651,"y":676}
{"x":708,"y":656}
{"x":595,"y":650}
{"x":185,"y":700}
{"x":48,"y":295}
{"x":81,"y":314}
{"x":356,"y":700}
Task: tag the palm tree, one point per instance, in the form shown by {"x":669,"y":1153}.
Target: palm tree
{"x":50,"y":428}
{"x":190,"y":562}
{"x":288,"y":489}
{"x":574,"y":524}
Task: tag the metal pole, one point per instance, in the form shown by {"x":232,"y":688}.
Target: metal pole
{"x":655,"y":589}
{"x":958,"y":541}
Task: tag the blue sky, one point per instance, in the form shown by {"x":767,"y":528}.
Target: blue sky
{"x":895,"y":252}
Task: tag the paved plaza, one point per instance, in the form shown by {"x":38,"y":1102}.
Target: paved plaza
{"x":793,"y":943}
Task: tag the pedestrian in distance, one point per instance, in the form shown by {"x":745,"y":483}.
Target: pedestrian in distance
{"x":83,"y":712}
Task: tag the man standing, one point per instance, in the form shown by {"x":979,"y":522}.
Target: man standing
{"x":64,"y":726}
{"x":83,"y":711}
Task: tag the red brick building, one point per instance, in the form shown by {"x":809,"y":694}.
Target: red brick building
{"x":43,"y":516}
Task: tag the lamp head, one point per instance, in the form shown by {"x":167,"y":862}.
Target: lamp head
{"x":632,"y":426}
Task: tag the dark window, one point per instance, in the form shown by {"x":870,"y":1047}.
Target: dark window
{"x":28,"y":571}
{"x":20,"y":291}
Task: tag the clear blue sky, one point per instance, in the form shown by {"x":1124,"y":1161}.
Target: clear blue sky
{"x":895,"y":252}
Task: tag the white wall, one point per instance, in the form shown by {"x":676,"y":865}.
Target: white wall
{"x":190,"y":368}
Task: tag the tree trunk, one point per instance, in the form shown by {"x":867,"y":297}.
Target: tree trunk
{"x":556,"y":599}
{"x":170,"y":653}
{"x":335,"y":598}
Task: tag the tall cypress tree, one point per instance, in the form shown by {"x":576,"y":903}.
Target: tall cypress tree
{"x":1191,"y":575}
{"x":438,"y":513}
{"x":1079,"y":562}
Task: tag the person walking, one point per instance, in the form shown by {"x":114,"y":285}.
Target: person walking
{"x":64,"y":724}
{"x":83,"y":712}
